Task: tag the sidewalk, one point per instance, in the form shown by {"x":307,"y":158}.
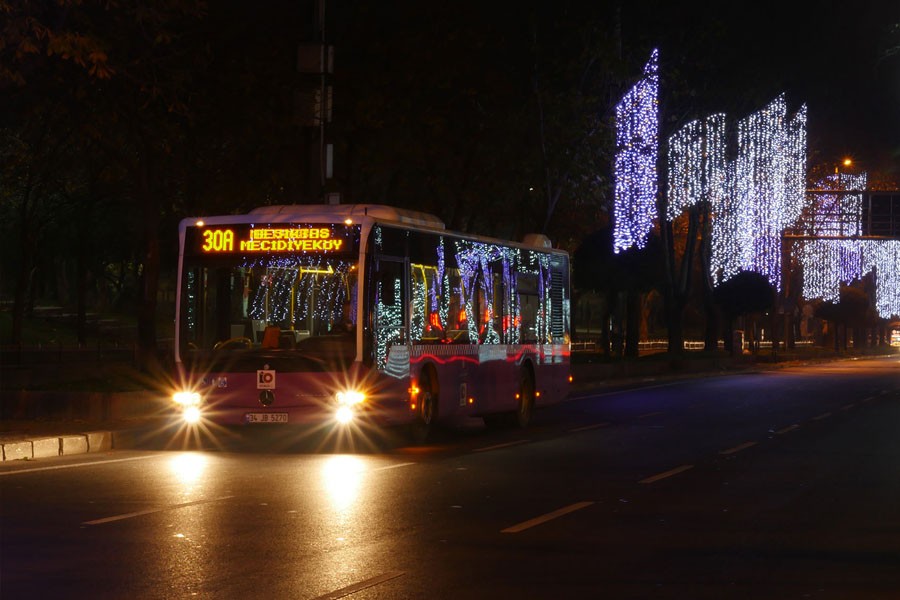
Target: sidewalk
{"x":48,"y":424}
{"x":33,"y":439}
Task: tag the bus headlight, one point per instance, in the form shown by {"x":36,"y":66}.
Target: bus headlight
{"x":350,"y":398}
{"x":348,"y":402}
{"x":186,"y":399}
{"x":189,"y":403}
{"x":344,"y":415}
{"x":191,"y":414}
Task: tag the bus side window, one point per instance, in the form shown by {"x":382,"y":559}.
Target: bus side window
{"x":529,"y":305}
{"x":490,"y":301}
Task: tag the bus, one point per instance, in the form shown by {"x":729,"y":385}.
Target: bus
{"x":341,"y":314}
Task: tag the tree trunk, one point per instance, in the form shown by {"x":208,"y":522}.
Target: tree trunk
{"x":632,"y":324}
{"x":147,"y":358}
{"x":728,"y":334}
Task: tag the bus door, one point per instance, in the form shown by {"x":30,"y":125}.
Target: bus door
{"x":386,"y":300}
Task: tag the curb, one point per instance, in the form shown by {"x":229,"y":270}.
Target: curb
{"x":63,"y":445}
{"x":70,"y":444}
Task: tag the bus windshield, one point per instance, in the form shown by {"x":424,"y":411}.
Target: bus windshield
{"x":254,"y":304}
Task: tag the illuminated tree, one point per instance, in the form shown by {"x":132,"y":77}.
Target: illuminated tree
{"x":637,"y":151}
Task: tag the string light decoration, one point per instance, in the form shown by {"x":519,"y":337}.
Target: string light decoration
{"x":768,"y":184}
{"x":316,"y":286}
{"x":883,"y":257}
{"x":837,"y":214}
{"x":390,"y":320}
{"x":751,"y":199}
{"x":477,"y":288}
{"x":697,"y":166}
{"x":637,"y":150}
{"x":829,"y":263}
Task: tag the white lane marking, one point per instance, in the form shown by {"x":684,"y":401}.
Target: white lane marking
{"x":666,"y":474}
{"x":787,"y":429}
{"x":544,"y":518}
{"x":822,"y":416}
{"x":848,"y":406}
{"x":352,"y":589}
{"x":397,"y":466}
{"x":738,"y":448}
{"x":74,"y":465}
{"x":587,"y":427}
{"x":153,"y":510}
{"x":498,"y":446}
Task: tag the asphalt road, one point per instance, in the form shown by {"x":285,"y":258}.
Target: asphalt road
{"x":771,"y":485}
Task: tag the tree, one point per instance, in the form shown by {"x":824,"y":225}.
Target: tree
{"x":852,"y":310}
{"x":627,"y":275}
{"x":746,"y":293}
{"x":122,"y":71}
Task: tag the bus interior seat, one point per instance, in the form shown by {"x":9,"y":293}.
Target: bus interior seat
{"x":257,"y":327}
{"x":270,"y":337}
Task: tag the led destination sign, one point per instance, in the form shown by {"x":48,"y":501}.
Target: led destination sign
{"x":244,"y":239}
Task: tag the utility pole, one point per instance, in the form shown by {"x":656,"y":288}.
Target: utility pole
{"x":315,"y":61}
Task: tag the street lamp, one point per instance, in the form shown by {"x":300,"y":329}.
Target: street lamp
{"x":847,"y":162}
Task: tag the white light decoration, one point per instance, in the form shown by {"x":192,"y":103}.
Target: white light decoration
{"x":697,"y":168}
{"x":768,"y":186}
{"x":637,"y":149}
{"x":838,"y":214}
{"x":830,"y":263}
{"x":317,"y":286}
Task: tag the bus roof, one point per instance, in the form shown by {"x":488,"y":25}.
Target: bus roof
{"x":311,"y":212}
{"x":331,"y":213}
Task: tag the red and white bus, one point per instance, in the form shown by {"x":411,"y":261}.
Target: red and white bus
{"x":327,"y":314}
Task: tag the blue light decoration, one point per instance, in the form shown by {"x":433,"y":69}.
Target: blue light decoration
{"x":490,"y":317}
{"x":474,"y":260}
{"x":637,"y":151}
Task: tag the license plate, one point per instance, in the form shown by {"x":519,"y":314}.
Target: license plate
{"x":267,"y":417}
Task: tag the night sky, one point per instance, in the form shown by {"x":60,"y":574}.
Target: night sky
{"x":832,"y":56}
{"x":737,"y":56}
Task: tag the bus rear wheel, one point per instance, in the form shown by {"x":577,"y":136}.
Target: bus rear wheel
{"x":525,"y":410}
{"x":426,"y":412}
{"x":521,"y":416}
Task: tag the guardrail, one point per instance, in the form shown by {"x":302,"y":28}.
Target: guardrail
{"x":662,"y":345}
